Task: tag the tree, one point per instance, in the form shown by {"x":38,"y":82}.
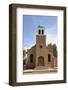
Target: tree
{"x":54,"y":50}
{"x":54,"y":47}
{"x":24,"y":53}
{"x":50,"y":45}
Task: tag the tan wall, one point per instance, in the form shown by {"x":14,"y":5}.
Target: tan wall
{"x":40,"y":39}
{"x":41,"y":52}
{"x":54,"y":62}
{"x":31,"y":51}
{"x":44,"y":52}
{"x":51,"y":54}
{"x":37,"y":51}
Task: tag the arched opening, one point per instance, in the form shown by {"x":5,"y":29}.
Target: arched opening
{"x":39,"y":31}
{"x":31,"y":58}
{"x":42,"y":32}
{"x":41,"y":61}
{"x":49,"y":58}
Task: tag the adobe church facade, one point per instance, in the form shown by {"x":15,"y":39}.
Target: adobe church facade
{"x":40,"y":54}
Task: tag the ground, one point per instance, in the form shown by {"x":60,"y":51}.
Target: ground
{"x":40,"y":70}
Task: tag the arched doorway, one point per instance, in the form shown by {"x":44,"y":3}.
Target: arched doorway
{"x":41,"y":61}
{"x":31,"y":58}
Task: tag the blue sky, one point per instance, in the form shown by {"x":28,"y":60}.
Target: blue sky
{"x":30,"y":29}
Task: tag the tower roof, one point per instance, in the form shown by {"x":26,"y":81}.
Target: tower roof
{"x":40,"y":26}
{"x":40,"y":29}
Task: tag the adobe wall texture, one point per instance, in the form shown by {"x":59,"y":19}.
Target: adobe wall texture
{"x":41,"y":54}
{"x":36,"y":51}
{"x":33,"y":52}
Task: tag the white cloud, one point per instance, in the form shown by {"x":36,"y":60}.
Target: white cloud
{"x":29,"y":46}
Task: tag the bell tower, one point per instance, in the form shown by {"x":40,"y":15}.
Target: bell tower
{"x":40,"y":46}
{"x":40,"y":37}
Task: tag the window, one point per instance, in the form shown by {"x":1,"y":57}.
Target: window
{"x":49,"y":58}
{"x":31,"y":58}
{"x":39,"y":31}
{"x":42,"y":31}
{"x":40,"y":46}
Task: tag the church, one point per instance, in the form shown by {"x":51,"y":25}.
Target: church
{"x":40,"y":55}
